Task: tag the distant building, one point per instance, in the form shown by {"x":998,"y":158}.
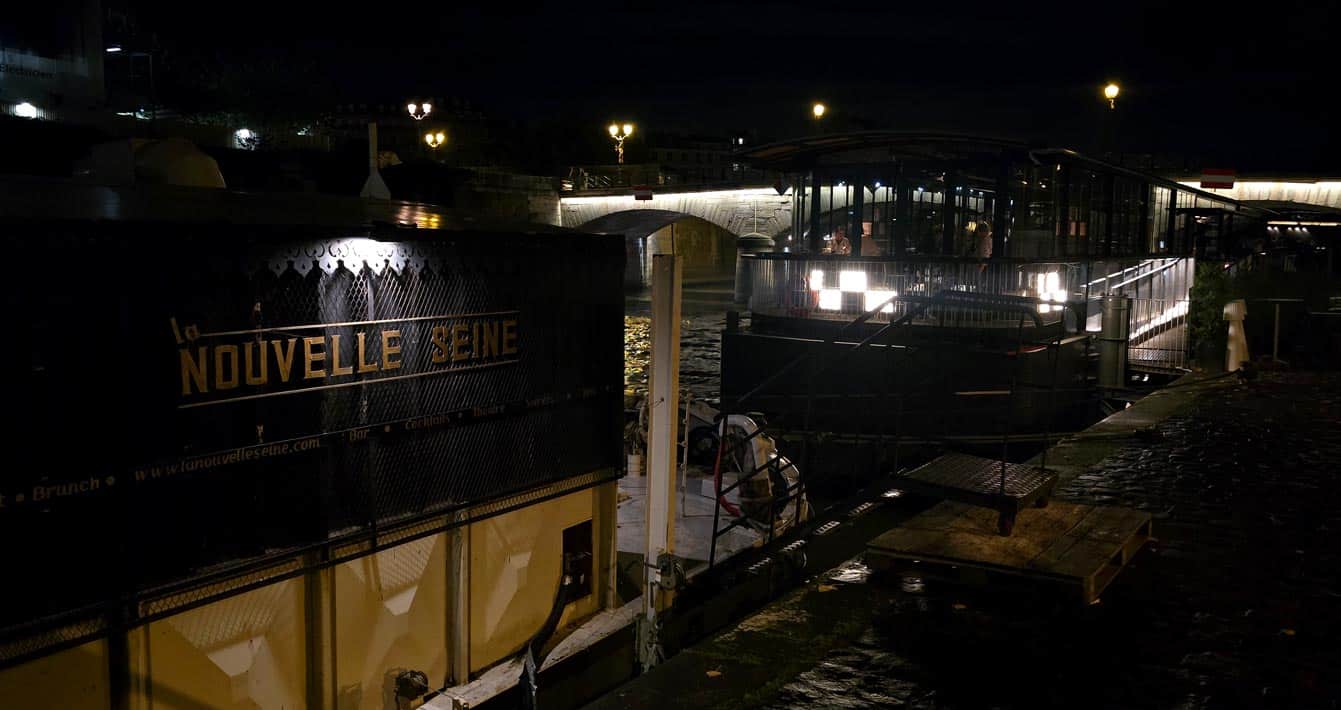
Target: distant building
{"x":696,"y":159}
{"x":51,"y":59}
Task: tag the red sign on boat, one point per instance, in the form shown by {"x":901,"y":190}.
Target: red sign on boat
{"x":1217,"y":178}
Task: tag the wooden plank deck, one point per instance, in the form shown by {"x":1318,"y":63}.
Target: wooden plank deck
{"x":1082,"y":547}
{"x":979,"y":481}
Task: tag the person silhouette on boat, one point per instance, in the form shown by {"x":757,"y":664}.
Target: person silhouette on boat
{"x":839,"y":243}
{"x":982,"y":244}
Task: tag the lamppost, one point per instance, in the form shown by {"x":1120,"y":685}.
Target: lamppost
{"x":435,"y":140}
{"x":1108,"y":124}
{"x":817,"y":111}
{"x":419,"y":111}
{"x":619,"y":133}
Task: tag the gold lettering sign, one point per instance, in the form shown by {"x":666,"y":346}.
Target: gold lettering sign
{"x":227,"y":366}
{"x":460,"y":342}
{"x":335,"y":359}
{"x":255,"y":372}
{"x":314,"y":352}
{"x":389,"y":351}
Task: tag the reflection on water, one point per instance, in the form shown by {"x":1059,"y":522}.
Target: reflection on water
{"x":637,"y":350}
{"x":700,"y":353}
{"x":853,"y":571}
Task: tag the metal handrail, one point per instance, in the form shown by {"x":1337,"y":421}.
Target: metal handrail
{"x":865,"y":316}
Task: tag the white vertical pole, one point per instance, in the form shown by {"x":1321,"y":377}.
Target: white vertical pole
{"x":664,"y":410}
{"x":374,"y":186}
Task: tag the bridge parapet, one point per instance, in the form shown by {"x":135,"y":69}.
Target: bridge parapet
{"x":621,"y":179}
{"x":1316,"y":192}
{"x":740,"y":210}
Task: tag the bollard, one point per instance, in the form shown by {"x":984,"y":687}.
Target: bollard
{"x":748,"y":245}
{"x":1114,"y":329}
{"x":1236,"y":348}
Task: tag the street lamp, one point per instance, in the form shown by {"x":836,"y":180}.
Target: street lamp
{"x":419,"y":111}
{"x":246,"y":139}
{"x":435,"y":140}
{"x":818,"y":110}
{"x":619,"y":133}
{"x":1111,"y":93}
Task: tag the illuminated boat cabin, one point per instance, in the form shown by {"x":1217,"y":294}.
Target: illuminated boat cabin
{"x":883,"y":219}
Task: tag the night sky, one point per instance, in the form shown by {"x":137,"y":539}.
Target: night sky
{"x":1247,"y":91}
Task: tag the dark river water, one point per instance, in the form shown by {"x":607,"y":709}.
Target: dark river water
{"x":700,"y":351}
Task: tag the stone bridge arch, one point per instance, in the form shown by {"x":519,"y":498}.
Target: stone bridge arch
{"x":635,"y":222}
{"x":700,"y":226}
{"x":740,"y":211}
{"x":707,"y":250}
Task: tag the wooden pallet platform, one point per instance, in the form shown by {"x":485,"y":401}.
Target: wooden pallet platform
{"x":979,"y":481}
{"x":1080,"y":547}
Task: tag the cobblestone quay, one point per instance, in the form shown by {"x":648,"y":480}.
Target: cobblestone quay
{"x":1241,"y":602}
{"x":1239,"y":605}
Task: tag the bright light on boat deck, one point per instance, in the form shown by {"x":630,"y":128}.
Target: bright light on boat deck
{"x":852,"y":281}
{"x":830,"y":299}
{"x":875,"y":297}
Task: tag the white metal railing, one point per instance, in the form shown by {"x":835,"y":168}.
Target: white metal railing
{"x":1166,"y":279}
{"x":1158,"y":336}
{"x":841,"y":289}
